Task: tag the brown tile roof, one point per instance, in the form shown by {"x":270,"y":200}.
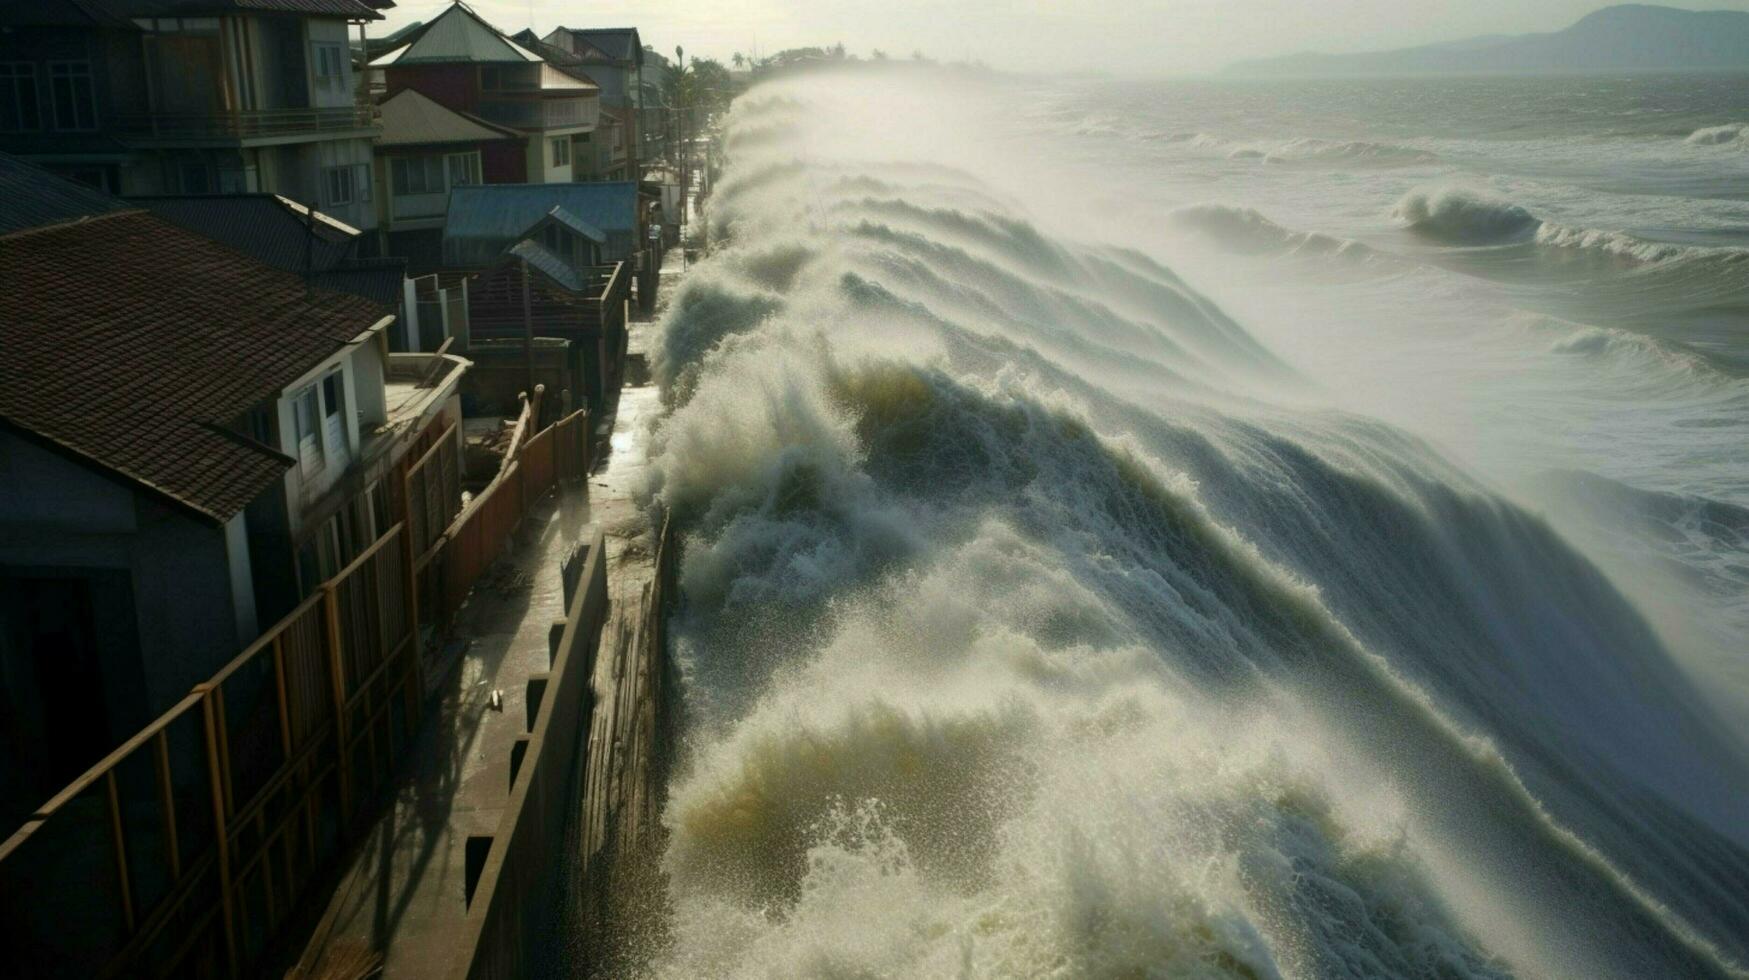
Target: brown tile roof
{"x":134,"y":345}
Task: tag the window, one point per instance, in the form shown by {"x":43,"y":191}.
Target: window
{"x":464,"y":168}
{"x":416,"y":175}
{"x":330,"y":69}
{"x":341,"y":185}
{"x":75,"y":98}
{"x":18,"y":105}
{"x":305,"y":412}
{"x":561,"y":151}
{"x":333,"y":395}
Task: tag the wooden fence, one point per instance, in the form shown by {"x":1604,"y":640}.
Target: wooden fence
{"x":447,"y":570}
{"x":182,"y":852}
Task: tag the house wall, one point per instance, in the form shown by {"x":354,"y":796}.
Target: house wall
{"x":504,"y":162}
{"x":540,"y":161}
{"x":299,"y":171}
{"x":58,"y":515}
{"x":331,"y":32}
{"x":455,"y":86}
{"x":363,"y":370}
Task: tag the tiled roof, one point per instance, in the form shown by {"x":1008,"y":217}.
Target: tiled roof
{"x":31,"y":197}
{"x":378,"y":280}
{"x":409,"y":118}
{"x":135,"y":346}
{"x":266,"y":227}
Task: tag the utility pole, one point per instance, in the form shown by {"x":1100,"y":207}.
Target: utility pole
{"x":681,"y":109}
{"x":527,"y":331}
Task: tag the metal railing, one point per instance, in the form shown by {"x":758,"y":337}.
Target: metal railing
{"x":218,"y":815}
{"x":243,"y":123}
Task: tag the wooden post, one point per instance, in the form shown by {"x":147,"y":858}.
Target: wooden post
{"x":220,"y":832}
{"x":410,"y":582}
{"x":527,"y":329}
{"x":167,"y":793}
{"x":121,"y":851}
{"x":342,"y":730}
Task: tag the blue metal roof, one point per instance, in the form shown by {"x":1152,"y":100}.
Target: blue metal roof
{"x":485,"y":220}
{"x":578,"y":225}
{"x":540,"y":257}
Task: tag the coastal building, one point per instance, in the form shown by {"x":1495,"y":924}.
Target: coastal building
{"x":328,"y":253}
{"x":465,"y":64}
{"x":142,"y":97}
{"x":487,"y":220}
{"x":426,"y":150}
{"x":655,"y":121}
{"x":614,"y":58}
{"x":190,"y":439}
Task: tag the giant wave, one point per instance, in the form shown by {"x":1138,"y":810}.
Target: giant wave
{"x":1026,"y":635}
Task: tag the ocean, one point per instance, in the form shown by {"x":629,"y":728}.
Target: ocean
{"x":1213,"y":528}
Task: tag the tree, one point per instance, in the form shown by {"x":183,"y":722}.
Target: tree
{"x":878,"y":55}
{"x":739,"y":60}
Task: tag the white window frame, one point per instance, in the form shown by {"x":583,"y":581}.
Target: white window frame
{"x":72,"y":72}
{"x":402,"y":171}
{"x":308,"y":400}
{"x":326,"y":54}
{"x":470,"y":166}
{"x":330,"y":192}
{"x":561,"y":146}
{"x":27,"y":108}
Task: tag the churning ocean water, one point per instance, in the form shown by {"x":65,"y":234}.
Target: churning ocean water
{"x":1214,"y":529}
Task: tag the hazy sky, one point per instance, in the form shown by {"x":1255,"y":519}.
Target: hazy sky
{"x":1140,"y":36}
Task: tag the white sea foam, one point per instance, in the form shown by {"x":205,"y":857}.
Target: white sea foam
{"x":1015,"y":644}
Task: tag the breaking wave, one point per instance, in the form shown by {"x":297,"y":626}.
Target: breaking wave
{"x":1024,"y":636}
{"x":1720,"y":135}
{"x":1465,"y":216}
{"x":1247,"y":231}
{"x":1308,"y":150}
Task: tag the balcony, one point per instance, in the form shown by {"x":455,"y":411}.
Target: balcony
{"x":243,"y":126}
{"x":541,"y":113}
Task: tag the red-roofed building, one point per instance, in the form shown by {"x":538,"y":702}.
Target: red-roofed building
{"x":189,"y":440}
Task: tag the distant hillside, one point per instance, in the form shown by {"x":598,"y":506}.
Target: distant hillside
{"x":1634,"y":37}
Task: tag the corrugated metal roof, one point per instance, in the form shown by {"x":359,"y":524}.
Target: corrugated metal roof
{"x":576,"y":224}
{"x":486,"y":219}
{"x":617,"y":43}
{"x":540,"y":257}
{"x":31,"y":197}
{"x":459,"y":35}
{"x":409,"y":118}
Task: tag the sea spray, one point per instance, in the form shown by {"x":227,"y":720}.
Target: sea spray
{"x":1011,"y":658}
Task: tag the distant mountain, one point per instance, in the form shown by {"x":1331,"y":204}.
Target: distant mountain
{"x":1633,"y":37}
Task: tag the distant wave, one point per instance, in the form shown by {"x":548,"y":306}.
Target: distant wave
{"x":1307,"y":150}
{"x":1466,"y":216}
{"x":1720,"y":135}
{"x":1248,"y":231}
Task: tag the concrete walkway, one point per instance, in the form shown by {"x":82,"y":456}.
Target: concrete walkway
{"x":403,"y":895}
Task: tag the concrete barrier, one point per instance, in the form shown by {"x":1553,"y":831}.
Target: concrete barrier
{"x":511,"y":902}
